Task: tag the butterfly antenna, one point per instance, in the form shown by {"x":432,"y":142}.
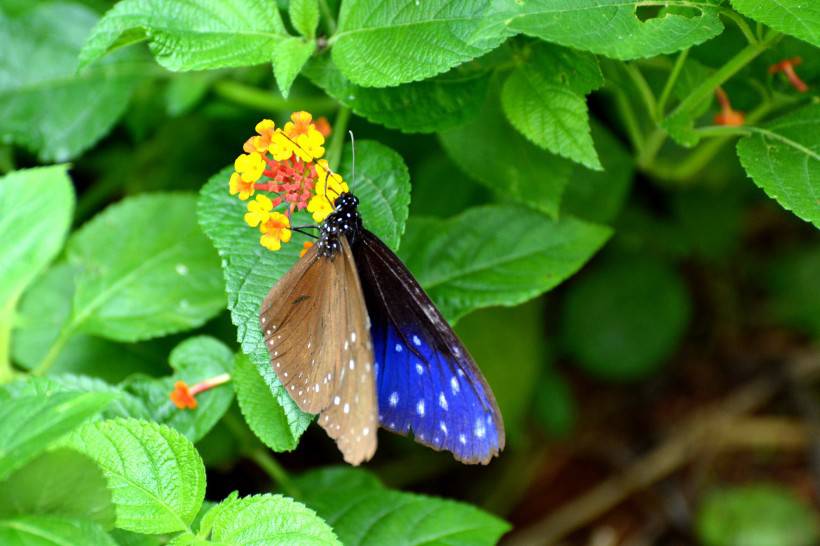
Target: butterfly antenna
{"x":353,"y":154}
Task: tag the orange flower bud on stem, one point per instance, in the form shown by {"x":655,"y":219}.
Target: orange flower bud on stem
{"x":787,"y":67}
{"x":727,"y":115}
{"x":184,"y":397}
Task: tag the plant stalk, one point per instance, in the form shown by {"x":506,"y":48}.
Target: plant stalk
{"x":258,"y":99}
{"x":660,"y":111}
{"x":334,"y":150}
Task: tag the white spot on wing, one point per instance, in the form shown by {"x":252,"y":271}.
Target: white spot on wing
{"x":416,"y":341}
{"x":462,"y":439}
{"x":399,"y":348}
{"x":479,"y":429}
{"x":394,"y":399}
{"x":443,"y":426}
{"x":352,"y":364}
{"x":442,"y":401}
{"x":420,"y":408}
{"x":454,"y":386}
{"x":336,"y":400}
{"x":419,"y":368}
{"x":346,"y":408}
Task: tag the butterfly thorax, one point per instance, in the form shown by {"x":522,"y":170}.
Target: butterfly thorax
{"x":344,"y":220}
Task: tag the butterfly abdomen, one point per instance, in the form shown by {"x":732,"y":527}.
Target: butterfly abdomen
{"x":344,"y":220}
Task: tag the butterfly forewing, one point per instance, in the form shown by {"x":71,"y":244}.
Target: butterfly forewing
{"x":427,"y":383}
{"x":317,"y":334}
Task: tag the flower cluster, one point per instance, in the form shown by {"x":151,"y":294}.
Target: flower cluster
{"x":287,"y":163}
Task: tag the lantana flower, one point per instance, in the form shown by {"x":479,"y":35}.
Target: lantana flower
{"x":329,"y":186}
{"x":261,"y":142}
{"x":250,"y":166}
{"x":241,"y":187}
{"x":275,"y":231}
{"x":310,"y":142}
{"x":259,"y":211}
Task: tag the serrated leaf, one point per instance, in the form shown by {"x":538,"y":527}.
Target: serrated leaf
{"x":492,"y":152}
{"x":195,"y":359}
{"x":44,"y":104}
{"x":363,"y":513}
{"x":380,"y":44}
{"x":427,"y":106}
{"x":496,"y":255}
{"x":265,"y":519}
{"x":194,"y":35}
{"x":261,"y":410}
{"x":544,"y":99}
{"x":51,"y":531}
{"x":144,"y":270}
{"x":289,"y":56}
{"x":60,"y":482}
{"x":30,"y":424}
{"x":783,"y":159}
{"x":304,"y":15}
{"x":612,"y":27}
{"x":798,"y":18}
{"x":35,"y":213}
{"x":155,"y":474}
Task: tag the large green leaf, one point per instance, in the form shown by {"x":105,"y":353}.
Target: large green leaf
{"x":191,"y":35}
{"x":51,"y":531}
{"x":795,"y":17}
{"x":29,"y":424}
{"x":155,"y":474}
{"x":613,"y":28}
{"x":431,"y":105}
{"x":144,"y":270}
{"x":544,"y":99}
{"x":44,"y":104}
{"x":784,"y":160}
{"x":35,"y":212}
{"x":496,"y":255}
{"x":492,"y":152}
{"x":289,"y":56}
{"x":383,"y":43}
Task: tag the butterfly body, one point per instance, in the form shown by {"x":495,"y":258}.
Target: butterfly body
{"x":354,"y":338}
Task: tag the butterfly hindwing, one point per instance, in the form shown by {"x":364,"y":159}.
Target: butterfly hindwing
{"x":427,"y":383}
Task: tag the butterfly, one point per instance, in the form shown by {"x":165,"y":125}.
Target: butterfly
{"x":355,"y":339}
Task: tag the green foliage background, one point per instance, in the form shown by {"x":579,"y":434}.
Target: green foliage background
{"x":500,"y":146}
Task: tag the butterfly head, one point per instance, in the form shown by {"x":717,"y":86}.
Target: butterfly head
{"x":344,"y":220}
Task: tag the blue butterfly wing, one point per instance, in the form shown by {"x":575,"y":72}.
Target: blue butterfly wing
{"x":427,"y":383}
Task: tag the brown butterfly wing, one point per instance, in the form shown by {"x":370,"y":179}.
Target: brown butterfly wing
{"x":317,"y":333}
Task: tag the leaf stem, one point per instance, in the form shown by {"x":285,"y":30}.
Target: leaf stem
{"x":633,"y":129}
{"x":327,"y":17}
{"x":258,"y":99}
{"x":54,"y":350}
{"x":741,"y":24}
{"x":643,"y":88}
{"x":670,"y":84}
{"x":334,"y":150}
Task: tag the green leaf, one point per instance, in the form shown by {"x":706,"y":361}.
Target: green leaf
{"x":195,"y":359}
{"x":265,"y":519}
{"x":35,"y":213}
{"x":28,"y":425}
{"x":61,"y":482}
{"x":194,"y":35}
{"x":154,"y":473}
{"x":145,"y":270}
{"x":382,"y":185}
{"x":543,"y":100}
{"x":51,"y":531}
{"x":624,"y":319}
{"x":756,"y":515}
{"x":783,"y":159}
{"x":44,"y":104}
{"x":489,"y":150}
{"x":261,"y":410}
{"x":800,"y":19}
{"x":496,"y":255}
{"x":304,"y":15}
{"x":612,"y":27}
{"x":363,"y":513}
{"x":381,"y":44}
{"x":427,"y":106}
{"x":289,"y":56}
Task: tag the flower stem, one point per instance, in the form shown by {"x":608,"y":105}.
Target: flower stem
{"x":670,"y":84}
{"x":633,"y":129}
{"x":741,"y":24}
{"x":259,"y":99}
{"x":643,"y":88}
{"x":334,"y":150}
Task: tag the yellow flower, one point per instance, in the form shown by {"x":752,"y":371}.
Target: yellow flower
{"x":260,"y":143}
{"x":304,"y":133}
{"x":275,"y":231}
{"x":329,"y":186}
{"x":259,"y":211}
{"x":281,"y":147}
{"x":237,"y":185}
{"x":249,"y":166}
{"x":319,"y":206}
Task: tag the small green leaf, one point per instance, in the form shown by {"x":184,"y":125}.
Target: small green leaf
{"x":621,"y":321}
{"x":756,"y":515}
{"x":194,"y":35}
{"x":262,"y":412}
{"x":543,"y":100}
{"x":496,"y":255}
{"x":30,"y":424}
{"x":265,"y":519}
{"x":380,"y":44}
{"x":44,"y":104}
{"x":195,"y":359}
{"x":61,"y":482}
{"x":612,"y":27}
{"x":289,"y":56}
{"x":35,"y":213}
{"x":51,"y":531}
{"x":490,"y":151}
{"x":154,"y":473}
{"x":145,"y":270}
{"x":783,"y":159}
{"x":304,"y":15}
{"x":795,"y":17}
{"x":427,"y":106}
